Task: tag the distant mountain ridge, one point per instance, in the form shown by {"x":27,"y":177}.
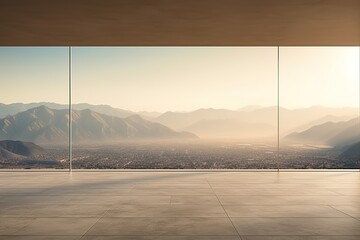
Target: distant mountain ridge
{"x":332,"y":133}
{"x":325,"y":119}
{"x":14,"y":108}
{"x":290,"y":120}
{"x":46,"y":125}
{"x":253,"y":121}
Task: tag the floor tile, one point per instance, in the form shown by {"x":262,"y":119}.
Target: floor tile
{"x":300,"y":237}
{"x":173,"y":185}
{"x":40,"y":237}
{"x":54,"y":210}
{"x":297,"y":226}
{"x":352,"y":210}
{"x":171,"y":191}
{"x":163,"y":226}
{"x":121,"y":200}
{"x":62,"y":199}
{"x":179,"y":205}
{"x":22,"y":191}
{"x":288,"y":200}
{"x":162,"y":238}
{"x":282,"y":211}
{"x":9,"y":226}
{"x":199,"y":200}
{"x":274,"y":191}
{"x":346,"y":191}
{"x":88,"y":191}
{"x":57,"y":226}
{"x":167,"y":211}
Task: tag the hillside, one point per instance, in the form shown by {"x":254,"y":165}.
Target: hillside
{"x":19,"y":149}
{"x":331,"y":133}
{"x":351,"y":155}
{"x":14,"y":108}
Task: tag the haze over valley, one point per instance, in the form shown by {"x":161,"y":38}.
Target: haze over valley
{"x":107,"y":137}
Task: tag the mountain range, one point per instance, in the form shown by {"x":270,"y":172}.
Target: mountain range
{"x":247,"y":122}
{"x":45,"y":125}
{"x":254,"y":118}
{"x":14,"y":108}
{"x":338,"y":134}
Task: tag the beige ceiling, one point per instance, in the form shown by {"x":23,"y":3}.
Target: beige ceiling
{"x":180,"y":22}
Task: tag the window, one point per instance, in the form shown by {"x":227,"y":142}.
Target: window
{"x":34,"y":107}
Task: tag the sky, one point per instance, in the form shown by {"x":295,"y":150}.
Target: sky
{"x":182,"y":78}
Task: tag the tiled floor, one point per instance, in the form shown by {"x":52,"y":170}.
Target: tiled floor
{"x":180,"y":205}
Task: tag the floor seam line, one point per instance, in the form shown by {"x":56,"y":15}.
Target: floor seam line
{"x":224,"y":210}
{"x":344,"y":213}
{"x":94,"y":224}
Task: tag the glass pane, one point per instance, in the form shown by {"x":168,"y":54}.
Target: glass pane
{"x":33,"y":108}
{"x":174,"y":107}
{"x":319,"y":118}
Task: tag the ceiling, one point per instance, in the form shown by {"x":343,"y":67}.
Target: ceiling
{"x":180,"y":22}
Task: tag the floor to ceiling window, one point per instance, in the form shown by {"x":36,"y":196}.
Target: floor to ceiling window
{"x":319,"y":99}
{"x":34,"y":107}
{"x":174,"y":107}
{"x":180,"y":107}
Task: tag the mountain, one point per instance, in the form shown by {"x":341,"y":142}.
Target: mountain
{"x":14,"y":108}
{"x":252,"y":118}
{"x":5,"y":154}
{"x":92,"y":125}
{"x":104,"y":109}
{"x":39,"y":125}
{"x":348,"y":136}
{"x":331,"y":133}
{"x":325,"y":119}
{"x":45,"y":125}
{"x":230,"y":128}
{"x":303,"y":118}
{"x":19,"y":150}
{"x":351,"y":155}
{"x":289,"y":119}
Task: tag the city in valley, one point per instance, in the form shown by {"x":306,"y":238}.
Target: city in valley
{"x":192,"y":154}
{"x":203,"y":139}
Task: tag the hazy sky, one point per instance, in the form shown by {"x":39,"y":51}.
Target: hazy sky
{"x":33,"y":74}
{"x":182,"y":78}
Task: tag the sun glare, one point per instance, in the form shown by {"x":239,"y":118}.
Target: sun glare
{"x":352,"y":63}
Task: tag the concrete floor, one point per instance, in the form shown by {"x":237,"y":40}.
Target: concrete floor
{"x":180,"y":205}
